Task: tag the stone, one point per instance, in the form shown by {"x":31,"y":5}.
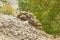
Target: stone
{"x":13,"y":28}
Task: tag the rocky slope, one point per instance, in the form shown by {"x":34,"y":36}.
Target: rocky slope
{"x":12,"y":28}
{"x":15,"y":29}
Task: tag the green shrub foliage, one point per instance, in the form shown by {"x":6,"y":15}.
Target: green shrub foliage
{"x":46,"y":11}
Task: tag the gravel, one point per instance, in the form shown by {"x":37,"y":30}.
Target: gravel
{"x":13,"y":28}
